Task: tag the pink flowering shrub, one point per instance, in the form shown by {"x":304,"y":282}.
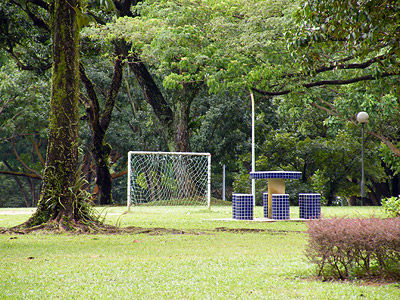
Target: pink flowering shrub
{"x":344,"y":248}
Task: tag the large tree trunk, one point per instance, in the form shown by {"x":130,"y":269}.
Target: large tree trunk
{"x":59,"y":200}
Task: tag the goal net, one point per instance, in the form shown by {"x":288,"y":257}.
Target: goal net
{"x":169,"y":178}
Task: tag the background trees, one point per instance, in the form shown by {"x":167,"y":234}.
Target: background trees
{"x":176,"y":76}
{"x":23,"y":132}
{"x":350,"y":49}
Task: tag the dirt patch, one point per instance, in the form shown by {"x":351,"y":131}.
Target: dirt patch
{"x":104,"y":230}
{"x":113,"y":230}
{"x":155,"y":231}
{"x":257,"y":230}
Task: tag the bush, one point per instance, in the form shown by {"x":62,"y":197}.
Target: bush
{"x":392,"y":206}
{"x":345,"y":248}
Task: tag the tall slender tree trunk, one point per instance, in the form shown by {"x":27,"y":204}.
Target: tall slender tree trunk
{"x":99,"y":123}
{"x":183,"y":99}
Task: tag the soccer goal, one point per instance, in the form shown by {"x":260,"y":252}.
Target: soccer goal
{"x":169,"y":178}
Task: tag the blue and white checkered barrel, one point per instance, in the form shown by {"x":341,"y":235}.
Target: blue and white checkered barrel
{"x":280,"y":207}
{"x":242,"y":206}
{"x":265,"y":204}
{"x":309,"y":206}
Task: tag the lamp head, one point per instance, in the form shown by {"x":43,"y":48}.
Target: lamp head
{"x":362,"y":117}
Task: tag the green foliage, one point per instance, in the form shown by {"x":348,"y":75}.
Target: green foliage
{"x":29,"y":45}
{"x":392,"y":206}
{"x":319,"y":181}
{"x":229,"y":45}
{"x":332,"y":30}
{"x":344,"y":42}
{"x":390,"y":159}
{"x":326,"y":150}
{"x":23,"y":130}
{"x":83,"y":18}
{"x":221,"y":44}
{"x":10,"y":196}
{"x":25,"y":99}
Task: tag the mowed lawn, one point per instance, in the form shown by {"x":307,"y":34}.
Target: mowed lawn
{"x":211,"y":257}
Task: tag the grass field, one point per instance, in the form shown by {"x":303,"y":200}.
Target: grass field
{"x":217,"y":259}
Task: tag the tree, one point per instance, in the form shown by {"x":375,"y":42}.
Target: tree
{"x":172,"y":109}
{"x":345,"y":42}
{"x":23,"y":123}
{"x":99,"y":123}
{"x":25,"y":37}
{"x":62,"y":202}
{"x":182,"y":44}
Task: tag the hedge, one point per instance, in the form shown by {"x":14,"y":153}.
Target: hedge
{"x":344,"y":248}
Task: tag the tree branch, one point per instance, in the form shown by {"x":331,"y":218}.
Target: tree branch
{"x":320,"y":107}
{"x":92,"y":102}
{"x":119,"y":174}
{"x":22,"y":162}
{"x":35,"y":145}
{"x":386,"y":141}
{"x":363,"y":65}
{"x":14,"y":173}
{"x":37,"y":20}
{"x":112,"y":94}
{"x":326,"y":82}
{"x":40,"y":3}
{"x":21,"y":65}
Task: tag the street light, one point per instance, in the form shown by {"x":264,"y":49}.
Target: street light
{"x":362,"y":117}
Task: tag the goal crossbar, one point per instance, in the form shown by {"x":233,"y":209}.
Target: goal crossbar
{"x":139,"y":179}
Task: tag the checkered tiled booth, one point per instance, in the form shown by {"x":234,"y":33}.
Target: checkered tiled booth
{"x":280,"y":207}
{"x":309,"y":206}
{"x":242,"y":205}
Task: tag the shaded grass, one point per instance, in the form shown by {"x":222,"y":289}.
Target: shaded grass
{"x":214,"y":265}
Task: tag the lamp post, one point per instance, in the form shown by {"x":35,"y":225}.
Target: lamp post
{"x":253,"y":151}
{"x":362,"y":117}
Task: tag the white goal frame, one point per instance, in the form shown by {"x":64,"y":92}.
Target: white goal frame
{"x":130,"y":153}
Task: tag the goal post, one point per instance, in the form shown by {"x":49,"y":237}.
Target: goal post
{"x":169,"y":178}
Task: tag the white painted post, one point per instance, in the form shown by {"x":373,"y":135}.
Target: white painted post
{"x":129,"y":200}
{"x":209,"y":182}
{"x":223,"y":182}
{"x":253,"y":151}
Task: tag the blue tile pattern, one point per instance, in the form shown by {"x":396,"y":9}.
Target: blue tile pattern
{"x":280,"y":207}
{"x":309,"y":206}
{"x":275,"y":174}
{"x":265,"y":204}
{"x":242,"y":206}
